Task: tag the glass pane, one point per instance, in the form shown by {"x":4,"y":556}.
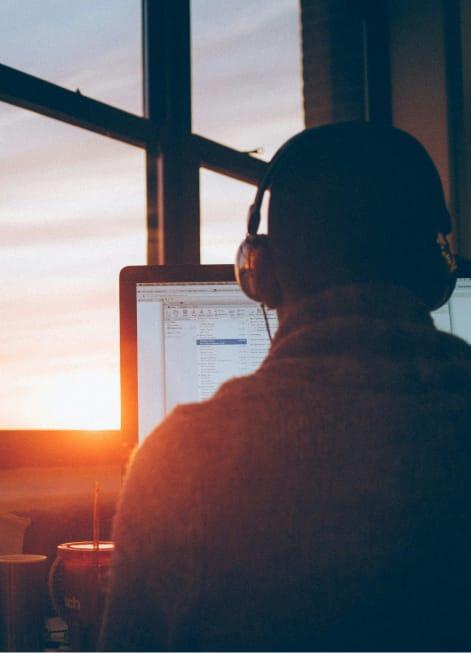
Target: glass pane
{"x":224,"y":203}
{"x":72,"y":213}
{"x":246,"y":70}
{"x":91,"y":45}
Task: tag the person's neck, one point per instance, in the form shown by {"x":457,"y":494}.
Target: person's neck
{"x":378,"y":297}
{"x":293,"y":297}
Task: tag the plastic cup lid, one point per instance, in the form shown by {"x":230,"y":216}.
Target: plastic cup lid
{"x":87,"y":546}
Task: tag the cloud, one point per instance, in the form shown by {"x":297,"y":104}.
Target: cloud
{"x":62,"y":184}
{"x":216,"y":24}
{"x":247,"y":83}
{"x":57,"y":40}
{"x":95,"y":231}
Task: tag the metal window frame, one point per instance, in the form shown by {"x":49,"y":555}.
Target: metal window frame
{"x":173,"y":153}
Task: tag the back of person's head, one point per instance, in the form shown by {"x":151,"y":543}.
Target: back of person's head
{"x":356,"y":202}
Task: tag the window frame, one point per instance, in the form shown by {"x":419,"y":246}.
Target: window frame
{"x":173,"y":153}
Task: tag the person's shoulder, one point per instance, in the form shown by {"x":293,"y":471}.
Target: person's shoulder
{"x":182,"y":452}
{"x":196,"y":422}
{"x":451,"y":348}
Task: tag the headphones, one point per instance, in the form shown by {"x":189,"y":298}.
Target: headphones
{"x":253,"y":264}
{"x":254,"y":267}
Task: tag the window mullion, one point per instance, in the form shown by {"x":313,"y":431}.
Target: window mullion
{"x":173,"y":193}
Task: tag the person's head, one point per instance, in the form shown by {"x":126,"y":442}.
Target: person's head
{"x":353,"y":202}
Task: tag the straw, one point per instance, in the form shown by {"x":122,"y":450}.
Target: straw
{"x":96,"y":516}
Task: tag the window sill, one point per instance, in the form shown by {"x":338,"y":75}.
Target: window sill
{"x":50,"y":448}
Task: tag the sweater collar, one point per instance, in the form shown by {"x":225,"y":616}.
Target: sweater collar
{"x":368,"y":301}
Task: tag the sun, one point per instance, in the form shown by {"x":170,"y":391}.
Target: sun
{"x":77,"y":399}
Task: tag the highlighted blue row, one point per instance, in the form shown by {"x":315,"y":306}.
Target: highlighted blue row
{"x":221,"y":341}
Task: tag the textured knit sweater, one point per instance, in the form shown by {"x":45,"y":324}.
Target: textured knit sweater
{"x":321,"y":503}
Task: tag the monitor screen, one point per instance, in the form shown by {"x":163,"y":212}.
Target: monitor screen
{"x":193,"y":336}
{"x":455,"y":316}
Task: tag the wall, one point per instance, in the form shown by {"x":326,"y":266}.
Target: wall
{"x":463,"y":140}
{"x":333,"y":65}
{"x":418,"y":77}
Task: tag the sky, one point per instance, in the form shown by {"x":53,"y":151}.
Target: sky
{"x":72,"y":203}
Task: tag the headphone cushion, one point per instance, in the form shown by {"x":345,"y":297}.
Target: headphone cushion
{"x":245,"y":266}
{"x":254,"y":270}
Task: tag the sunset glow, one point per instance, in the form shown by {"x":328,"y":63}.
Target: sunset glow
{"x":63,"y":396}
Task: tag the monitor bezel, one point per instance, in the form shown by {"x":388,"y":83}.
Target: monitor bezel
{"x":128,"y":279}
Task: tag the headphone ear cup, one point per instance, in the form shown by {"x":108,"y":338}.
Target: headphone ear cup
{"x":447,"y":273}
{"x":254,"y":271}
{"x":439,"y":282}
{"x":244,"y":268}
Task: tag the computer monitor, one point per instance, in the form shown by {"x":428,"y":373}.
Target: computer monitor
{"x":455,"y":316}
{"x":187,"y":329}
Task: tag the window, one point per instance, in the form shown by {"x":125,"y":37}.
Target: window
{"x":246,"y":93}
{"x":81,"y":180}
{"x":72,"y":214}
{"x":223,"y":206}
{"x":246,"y":70}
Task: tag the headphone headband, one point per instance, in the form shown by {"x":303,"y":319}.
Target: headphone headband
{"x":253,"y":219}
